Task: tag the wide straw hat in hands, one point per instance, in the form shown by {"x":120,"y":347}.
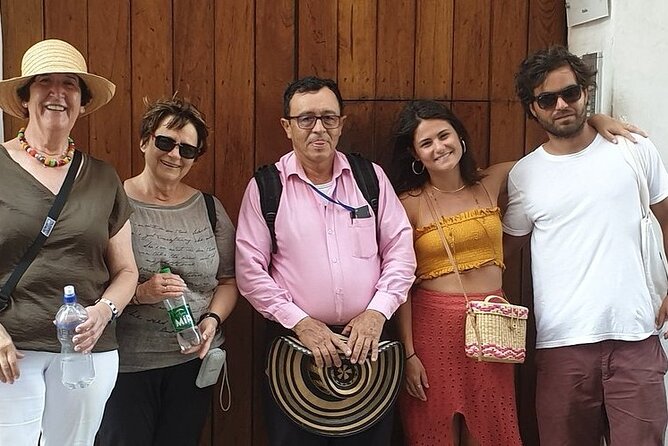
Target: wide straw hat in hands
{"x":53,"y":56}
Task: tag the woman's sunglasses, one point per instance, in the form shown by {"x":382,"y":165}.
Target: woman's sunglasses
{"x":166,"y":144}
{"x":569,"y":94}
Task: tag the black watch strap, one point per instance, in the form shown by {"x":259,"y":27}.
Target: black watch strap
{"x":211,"y":315}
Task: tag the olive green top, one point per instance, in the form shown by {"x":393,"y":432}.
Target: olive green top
{"x":96,"y":209}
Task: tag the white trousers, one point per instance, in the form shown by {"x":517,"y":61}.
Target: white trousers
{"x":38,"y":402}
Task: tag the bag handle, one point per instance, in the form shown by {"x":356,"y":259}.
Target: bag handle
{"x":441,"y":234}
{"x":47,"y":227}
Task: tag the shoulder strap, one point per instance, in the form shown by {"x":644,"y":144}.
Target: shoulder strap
{"x":270,"y":188}
{"x":632,"y":158}
{"x":47,"y":227}
{"x":210,"y":210}
{"x":366,"y":179}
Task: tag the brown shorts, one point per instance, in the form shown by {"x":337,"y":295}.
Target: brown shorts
{"x":611,"y":388}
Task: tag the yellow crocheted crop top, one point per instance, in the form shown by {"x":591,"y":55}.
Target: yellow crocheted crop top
{"x":474,"y":236}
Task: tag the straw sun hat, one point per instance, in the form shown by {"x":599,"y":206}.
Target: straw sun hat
{"x":53,"y":56}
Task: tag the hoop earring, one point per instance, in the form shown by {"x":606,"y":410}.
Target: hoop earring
{"x":463,"y":146}
{"x":415,"y":171}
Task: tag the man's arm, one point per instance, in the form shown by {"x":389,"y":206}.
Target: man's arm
{"x":253,"y":256}
{"x":397,"y":273}
{"x":660,"y":211}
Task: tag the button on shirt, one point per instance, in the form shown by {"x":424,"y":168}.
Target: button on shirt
{"x":328,"y":266}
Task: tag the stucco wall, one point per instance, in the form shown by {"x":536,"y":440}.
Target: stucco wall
{"x":634,"y":43}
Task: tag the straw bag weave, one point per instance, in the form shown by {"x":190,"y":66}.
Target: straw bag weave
{"x":495,"y":329}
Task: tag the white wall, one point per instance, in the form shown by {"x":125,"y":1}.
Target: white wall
{"x":634,"y":43}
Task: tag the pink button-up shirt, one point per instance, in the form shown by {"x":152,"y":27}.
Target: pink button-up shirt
{"x":328,"y":266}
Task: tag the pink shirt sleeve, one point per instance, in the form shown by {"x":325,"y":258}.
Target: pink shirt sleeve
{"x":253,"y":255}
{"x":395,"y":246}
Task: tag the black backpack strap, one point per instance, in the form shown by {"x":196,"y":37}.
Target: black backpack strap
{"x":210,"y":210}
{"x":270,"y":187}
{"x":366,"y":179}
{"x":47,"y":227}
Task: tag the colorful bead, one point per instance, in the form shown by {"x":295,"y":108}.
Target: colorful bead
{"x":47,"y":161}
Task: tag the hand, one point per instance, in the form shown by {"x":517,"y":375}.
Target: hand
{"x":9,"y":356}
{"x":159,"y":287}
{"x":363,"y":333}
{"x":416,"y":378}
{"x":609,"y":127}
{"x":661,"y":316}
{"x":89,"y":331}
{"x":322,"y":342}
{"x":208,"y":328}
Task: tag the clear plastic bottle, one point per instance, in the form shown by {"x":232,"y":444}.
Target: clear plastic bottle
{"x":77,"y":369}
{"x":187,"y":332}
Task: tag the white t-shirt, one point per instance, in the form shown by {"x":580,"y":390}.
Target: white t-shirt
{"x":583,"y":213}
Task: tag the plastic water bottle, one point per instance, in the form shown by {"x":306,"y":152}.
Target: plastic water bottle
{"x":187,"y":333}
{"x":77,"y":368}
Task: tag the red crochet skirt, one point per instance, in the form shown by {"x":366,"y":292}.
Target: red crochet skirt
{"x":483,"y":392}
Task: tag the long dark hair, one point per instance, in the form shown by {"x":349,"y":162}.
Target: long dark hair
{"x":401,"y":168}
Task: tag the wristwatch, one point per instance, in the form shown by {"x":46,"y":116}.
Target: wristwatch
{"x":112,"y":307}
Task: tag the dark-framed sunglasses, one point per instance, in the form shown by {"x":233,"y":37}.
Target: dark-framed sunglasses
{"x":570,"y":94}
{"x":166,"y":144}
{"x":307,"y":122}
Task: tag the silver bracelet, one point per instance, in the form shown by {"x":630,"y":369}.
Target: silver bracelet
{"x":112,"y":307}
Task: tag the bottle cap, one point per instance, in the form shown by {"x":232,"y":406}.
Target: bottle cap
{"x":69,"y":296}
{"x":165,"y":269}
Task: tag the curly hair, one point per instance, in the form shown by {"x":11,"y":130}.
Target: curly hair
{"x":401,"y":172}
{"x":179,"y":113}
{"x":535,"y":68}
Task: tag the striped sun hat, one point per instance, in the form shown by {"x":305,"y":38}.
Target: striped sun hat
{"x":334,"y":401}
{"x":53,"y":56}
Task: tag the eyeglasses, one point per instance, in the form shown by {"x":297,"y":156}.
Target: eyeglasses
{"x":166,"y":144}
{"x":569,"y":94}
{"x":307,"y":122}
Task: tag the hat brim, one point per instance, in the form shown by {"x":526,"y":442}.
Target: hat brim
{"x":298,"y":392}
{"x":101,"y":89}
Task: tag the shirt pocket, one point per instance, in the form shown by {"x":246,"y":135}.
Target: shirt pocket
{"x":364,"y":237}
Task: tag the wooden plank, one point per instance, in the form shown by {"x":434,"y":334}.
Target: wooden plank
{"x":535,"y":135}
{"x":151,"y":37}
{"x":385,"y":115}
{"x":67,"y":20}
{"x":234,"y":124}
{"x":274,"y":68}
{"x":109,"y":56}
{"x":475,"y":117}
{"x":396,"y":49}
{"x":317,"y":38}
{"x":22,"y":26}
{"x":357,"y":48}
{"x":194,"y":75}
{"x":506,"y":132}
{"x":508,"y":46}
{"x":434,"y":49}
{"x":547,"y":24}
{"x":470,"y":63}
{"x":357,"y":134}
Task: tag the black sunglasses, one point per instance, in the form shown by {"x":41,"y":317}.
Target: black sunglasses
{"x":166,"y":144}
{"x":569,"y":94}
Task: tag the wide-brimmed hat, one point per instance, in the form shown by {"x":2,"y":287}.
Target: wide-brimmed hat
{"x":53,"y":56}
{"x":334,"y":401}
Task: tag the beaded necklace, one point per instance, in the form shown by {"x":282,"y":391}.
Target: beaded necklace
{"x":47,"y":161}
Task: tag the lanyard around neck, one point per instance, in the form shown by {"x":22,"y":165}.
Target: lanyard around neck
{"x":332,"y":200}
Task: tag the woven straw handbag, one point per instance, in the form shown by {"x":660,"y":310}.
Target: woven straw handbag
{"x":495,"y":329}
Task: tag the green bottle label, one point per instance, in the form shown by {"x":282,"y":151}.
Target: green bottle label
{"x":181,"y":318}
